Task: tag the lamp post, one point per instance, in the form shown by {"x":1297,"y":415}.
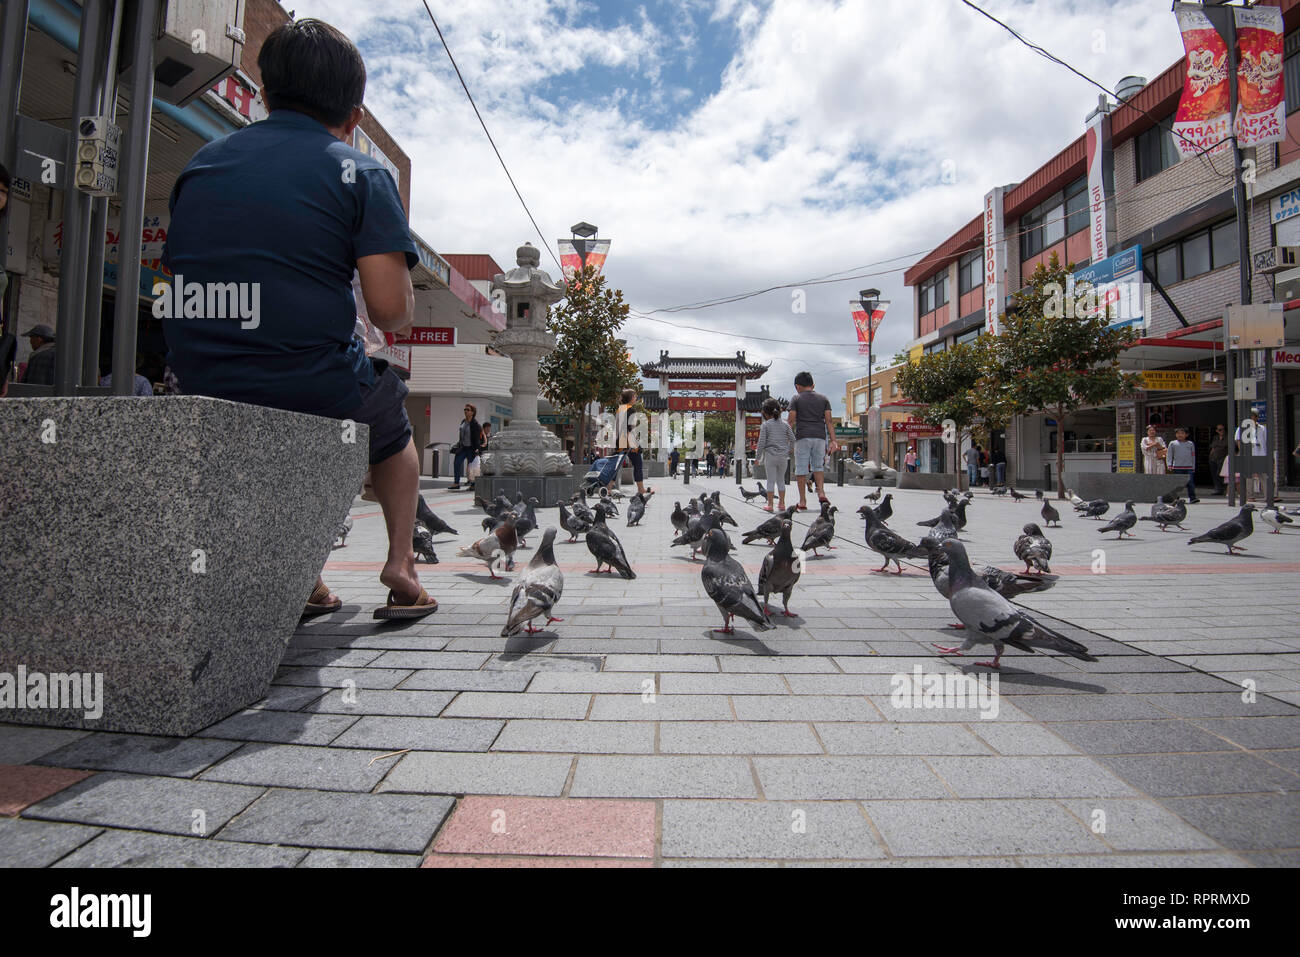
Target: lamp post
{"x":869,"y":299}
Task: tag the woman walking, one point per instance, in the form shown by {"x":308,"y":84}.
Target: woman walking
{"x":1153,"y":452}
{"x":1218,"y":455}
{"x":469,"y":444}
{"x":775,"y":443}
{"x":628,"y":445}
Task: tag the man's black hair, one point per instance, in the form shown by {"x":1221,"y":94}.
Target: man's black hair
{"x":4,"y":176}
{"x":310,"y":67}
{"x":804,"y":379}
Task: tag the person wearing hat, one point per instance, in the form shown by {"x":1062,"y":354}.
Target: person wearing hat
{"x":1255,"y":443}
{"x":40,"y":364}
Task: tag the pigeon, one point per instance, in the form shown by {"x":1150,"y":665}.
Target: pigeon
{"x":944,"y":528}
{"x":950,"y":496}
{"x":605,"y":546}
{"x":1033,"y":549}
{"x":1096,"y":508}
{"x":430,"y":521}
{"x":693,"y":507}
{"x":822,"y":530}
{"x":945,"y":517}
{"x":1234,"y":530}
{"x":611,"y":507}
{"x":572,"y":524}
{"x":1007,"y":584}
{"x":959,"y":513}
{"x":697,"y":532}
{"x":1038,"y":494}
{"x":769,"y":529}
{"x":635,"y":509}
{"x":679,"y":518}
{"x":1016,"y":495}
{"x":495,"y":547}
{"x":1122,"y":522}
{"x":342,"y":532}
{"x":885,"y":509}
{"x":580,"y":508}
{"x":526,"y":520}
{"x":884,"y":542}
{"x":723,"y":516}
{"x":727,"y":584}
{"x":748,"y":495}
{"x":1050,"y":515}
{"x":1165,"y":515}
{"x":537,"y":591}
{"x":780,"y":571}
{"x":1275,"y":518}
{"x":1074,"y":499}
{"x":999,"y":490}
{"x":991,"y":619}
{"x":422,"y":545}
{"x":874,"y":496}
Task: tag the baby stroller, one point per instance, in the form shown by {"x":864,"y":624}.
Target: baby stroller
{"x":602,"y":473}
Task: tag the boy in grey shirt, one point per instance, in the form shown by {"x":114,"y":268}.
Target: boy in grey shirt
{"x":810,"y":419}
{"x":1181,"y":457}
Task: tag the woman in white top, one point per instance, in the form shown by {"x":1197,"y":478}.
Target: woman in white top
{"x":1153,"y":452}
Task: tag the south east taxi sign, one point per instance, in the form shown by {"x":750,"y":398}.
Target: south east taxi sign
{"x":1188,"y":381}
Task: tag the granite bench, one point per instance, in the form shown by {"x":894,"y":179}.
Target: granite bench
{"x":162,"y":548}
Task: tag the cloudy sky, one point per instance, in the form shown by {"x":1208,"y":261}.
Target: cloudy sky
{"x":727,"y":146}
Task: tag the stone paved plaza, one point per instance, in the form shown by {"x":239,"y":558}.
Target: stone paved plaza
{"x":629,"y":735}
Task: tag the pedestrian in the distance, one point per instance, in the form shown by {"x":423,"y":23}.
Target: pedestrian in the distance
{"x":627,"y":443}
{"x":1257,"y":448}
{"x":972,"y":457}
{"x":674,"y":457}
{"x":1153,"y":452}
{"x":1182,"y":460}
{"x":469,"y":443}
{"x":775,"y":443}
{"x":710,"y":463}
{"x":999,"y":460}
{"x":1218,"y":455}
{"x":909,"y":460}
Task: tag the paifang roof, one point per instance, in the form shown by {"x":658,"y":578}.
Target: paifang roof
{"x":703,"y":367}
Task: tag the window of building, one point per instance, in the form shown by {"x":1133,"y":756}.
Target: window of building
{"x":970,"y":272}
{"x":1167,"y":265}
{"x":970,"y":335}
{"x":1197,"y":254}
{"x":893,"y":388}
{"x":859,"y":402}
{"x":936,"y":346}
{"x":934,"y":292}
{"x":1223,"y":243}
{"x":875,"y":396}
{"x":1156,"y":149}
{"x":1076,"y":206}
{"x":1047,"y":223}
{"x":1291,"y":71}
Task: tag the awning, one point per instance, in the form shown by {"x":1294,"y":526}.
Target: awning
{"x":446,"y":299}
{"x":1155,"y":351}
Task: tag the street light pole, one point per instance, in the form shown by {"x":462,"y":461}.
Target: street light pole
{"x":869,"y":299}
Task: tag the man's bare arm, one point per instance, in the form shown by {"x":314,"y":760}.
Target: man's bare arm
{"x":386,"y":286}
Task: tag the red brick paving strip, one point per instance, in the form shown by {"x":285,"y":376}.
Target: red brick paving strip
{"x":478,"y":860}
{"x":22,"y":785}
{"x":554,"y":828}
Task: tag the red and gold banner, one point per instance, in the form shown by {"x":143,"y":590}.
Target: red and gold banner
{"x":867,"y":330}
{"x":572,"y":250}
{"x":1261,"y":106}
{"x":1203,"y":117}
{"x":752,"y":424}
{"x":702,"y":388}
{"x":691,"y":403}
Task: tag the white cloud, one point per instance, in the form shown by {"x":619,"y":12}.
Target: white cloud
{"x":821,"y":148}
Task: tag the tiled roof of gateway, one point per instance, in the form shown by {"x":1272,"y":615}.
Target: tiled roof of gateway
{"x":753,"y":401}
{"x":703,"y":366}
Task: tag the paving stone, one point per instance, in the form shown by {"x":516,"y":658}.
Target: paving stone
{"x":804,"y":708}
{"x":1275,"y":859}
{"x":288,"y":698}
{"x":543,"y":663}
{"x":1037,"y":776}
{"x":1256,"y":732}
{"x":662,"y":776}
{"x":608,"y":682}
{"x":416,"y":704}
{"x":1138,"y":737}
{"x":143,"y":849}
{"x":140,"y":754}
{"x":559,"y":827}
{"x":1021,"y":737}
{"x":580,"y":737}
{"x":736,"y":737}
{"x":854,"y":684}
{"x":330,"y":657}
{"x":21,"y":744}
{"x":782,"y":664}
{"x":284,"y":727}
{"x":438,"y":680}
{"x":739,"y":830}
{"x":1243,"y":822}
{"x":335,"y":859}
{"x":428,"y":772}
{"x":685,"y":707}
{"x":736,"y":684}
{"x":1110,"y":707}
{"x":296,"y":766}
{"x":26,"y":843}
{"x":1163,"y":775}
{"x":374,"y":822}
{"x":491,"y":704}
{"x":421,"y":734}
{"x":1137,"y":825}
{"x":378,"y":678}
{"x":1220,"y":705}
{"x":22,"y":785}
{"x":655,"y":663}
{"x":148,"y":803}
{"x":1182,"y":860}
{"x":976,"y":827}
{"x":1006,"y":711}
{"x":836,"y":778}
{"x":901,"y":738}
{"x":442,"y":660}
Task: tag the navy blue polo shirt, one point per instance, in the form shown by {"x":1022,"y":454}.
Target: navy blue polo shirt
{"x":283,"y":204}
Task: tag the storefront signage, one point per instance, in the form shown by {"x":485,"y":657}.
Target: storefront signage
{"x":430,"y":336}
{"x":1172,"y":381}
{"x":691,"y":403}
{"x":432,"y":261}
{"x":1285,"y":206}
{"x":1117,"y":288}
{"x":915,"y":429}
{"x":1126,"y":452}
{"x":364,"y":144}
{"x":995,"y":258}
{"x":848,"y":432}
{"x":1289,"y":358}
{"x":545,"y":419}
{"x":396,"y":355}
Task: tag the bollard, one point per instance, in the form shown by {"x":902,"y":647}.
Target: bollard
{"x":1047,"y":479}
{"x":839,"y":478}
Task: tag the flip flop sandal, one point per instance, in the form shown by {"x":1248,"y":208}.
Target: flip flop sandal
{"x":424,"y":605}
{"x":317,"y":604}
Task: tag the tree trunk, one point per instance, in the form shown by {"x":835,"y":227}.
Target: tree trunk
{"x":579,"y":450}
{"x":1060,"y":453}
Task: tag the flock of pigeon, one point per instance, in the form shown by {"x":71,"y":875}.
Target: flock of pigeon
{"x":981,"y":600}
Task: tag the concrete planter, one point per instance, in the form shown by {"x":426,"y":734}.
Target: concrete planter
{"x":1125,"y":487}
{"x":933,"y":481}
{"x":165,"y":544}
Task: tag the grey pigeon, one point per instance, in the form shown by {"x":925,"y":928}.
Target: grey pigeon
{"x":1007,"y":584}
{"x":727,"y":584}
{"x":1122,"y":522}
{"x":884,"y":542}
{"x":769,"y":529}
{"x":944,"y":528}
{"x":1095,"y":509}
{"x":991,"y":619}
{"x":1038,"y":494}
{"x":1016,"y":495}
{"x":1074,"y":499}
{"x":1050,"y":515}
{"x":572,"y":524}
{"x":999,"y":490}
{"x":959,"y":512}
{"x":885,"y":509}
{"x":580,"y":508}
{"x":679,"y":518}
{"x":822,"y":530}
{"x":431,"y":521}
{"x":1236,"y":529}
{"x":1165,"y":515}
{"x":1275,"y":518}
{"x":635,"y":509}
{"x":874,"y":496}
{"x":422,"y":545}
{"x":724,"y":516}
{"x":605,"y":546}
{"x":499,"y":545}
{"x":526,"y":520}
{"x":611,"y":507}
{"x":780,"y":571}
{"x":342,"y":532}
{"x":748,"y":495}
{"x":538,"y":589}
{"x":1033,"y":549}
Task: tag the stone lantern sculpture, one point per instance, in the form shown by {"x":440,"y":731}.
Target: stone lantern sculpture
{"x":524,"y":457}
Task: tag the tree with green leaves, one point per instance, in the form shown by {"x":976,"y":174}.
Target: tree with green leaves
{"x":1057,"y":353}
{"x":720,"y":430}
{"x":589,"y":363}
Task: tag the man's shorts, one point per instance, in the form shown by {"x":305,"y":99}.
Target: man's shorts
{"x":383,"y":408}
{"x":809,"y":456}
